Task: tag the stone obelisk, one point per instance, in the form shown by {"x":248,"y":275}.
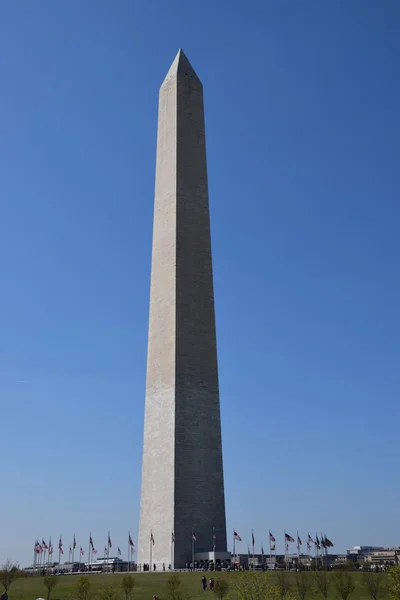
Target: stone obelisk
{"x":182,"y":473}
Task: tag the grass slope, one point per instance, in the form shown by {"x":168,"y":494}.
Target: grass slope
{"x":148,"y":584}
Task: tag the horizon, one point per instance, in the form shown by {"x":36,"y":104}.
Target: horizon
{"x":302,"y":132}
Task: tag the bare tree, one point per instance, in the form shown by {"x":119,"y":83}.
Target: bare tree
{"x":255,"y":586}
{"x":283,"y":583}
{"x":394,"y":586}
{"x":303,"y":584}
{"x":221,"y":588}
{"x":109,"y":592}
{"x":8,"y":573}
{"x":374,"y":584}
{"x":344,"y":584}
{"x":322,"y":583}
{"x":50,"y":581}
{"x":83,"y":588}
{"x":128,"y":583}
{"x":175,"y":589}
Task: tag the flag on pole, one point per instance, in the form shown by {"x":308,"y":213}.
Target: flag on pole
{"x":60,"y":544}
{"x":74,"y":543}
{"x":152,"y":538}
{"x":237,"y":536}
{"x":70,"y":549}
{"x":50,"y":548}
{"x":130,"y":541}
{"x":194,"y":536}
{"x":109,"y":541}
{"x":262,"y":549}
{"x":91,"y":542}
{"x":61,"y":551}
{"x":317,"y":544}
{"x":44,"y":545}
{"x":82,"y":551}
{"x":37,"y":548}
{"x":299,"y":542}
{"x":288,"y":538}
{"x":105,"y":550}
{"x":328,"y":543}
{"x":252,"y":539}
{"x":132,"y":550}
{"x":248,"y":550}
{"x":94,"y":550}
{"x":271,"y":537}
{"x":173,"y":537}
{"x":310,"y":539}
{"x":273,"y":547}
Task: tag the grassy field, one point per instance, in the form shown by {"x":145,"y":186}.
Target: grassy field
{"x":148,"y":584}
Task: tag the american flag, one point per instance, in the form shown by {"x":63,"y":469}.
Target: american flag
{"x":130,"y":541}
{"x":82,"y":551}
{"x":60,"y":544}
{"x":119,"y":551}
{"x":74,"y":543}
{"x":44,"y":545}
{"x":152,"y":538}
{"x":173,"y":538}
{"x":91,"y":542}
{"x":310,"y":538}
{"x":37,"y":548}
{"x":194,"y":536}
{"x":271,"y":537}
{"x":94,"y":550}
{"x":288,"y":538}
{"x":109,"y":541}
{"x":237,"y":536}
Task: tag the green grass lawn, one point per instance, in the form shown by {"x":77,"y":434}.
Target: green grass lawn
{"x":148,"y":584}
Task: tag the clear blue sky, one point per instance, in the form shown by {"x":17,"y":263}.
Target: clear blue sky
{"x":302,"y":114}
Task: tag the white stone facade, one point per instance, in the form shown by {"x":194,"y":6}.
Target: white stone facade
{"x":182,"y":472}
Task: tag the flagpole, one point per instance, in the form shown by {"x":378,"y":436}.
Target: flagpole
{"x":286,"y":565}
{"x":298,"y":550}
{"x":59,"y":553}
{"x":252,"y":541}
{"x":129,"y":546}
{"x":234,"y":555}
{"x":262,"y":554}
{"x":214,"y":540}
{"x":172,"y":550}
{"x":270,"y":550}
{"x":193,"y":548}
{"x":151,"y":551}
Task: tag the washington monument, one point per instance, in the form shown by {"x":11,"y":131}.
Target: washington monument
{"x":182,"y":494}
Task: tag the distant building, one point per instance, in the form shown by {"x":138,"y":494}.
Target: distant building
{"x":360,"y":553}
{"x":384,"y":557}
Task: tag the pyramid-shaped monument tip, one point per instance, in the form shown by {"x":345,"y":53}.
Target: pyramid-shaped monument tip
{"x":181,"y":65}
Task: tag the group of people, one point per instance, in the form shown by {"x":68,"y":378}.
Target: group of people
{"x":210,"y":583}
